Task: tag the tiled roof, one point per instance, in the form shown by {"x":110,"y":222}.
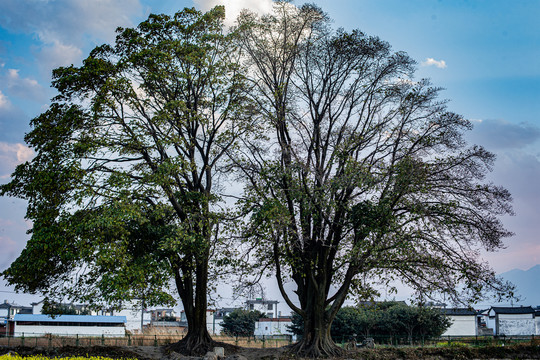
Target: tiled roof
{"x":513,"y":310}
{"x":459,"y":311}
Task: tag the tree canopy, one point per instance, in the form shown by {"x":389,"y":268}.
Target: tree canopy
{"x":241,"y":322}
{"x":355,"y":173}
{"x":363,"y":175}
{"x":122,"y":190}
{"x":385,"y":322}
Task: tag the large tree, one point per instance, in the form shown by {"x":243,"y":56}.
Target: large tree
{"x":363,"y":173}
{"x":122,"y":190}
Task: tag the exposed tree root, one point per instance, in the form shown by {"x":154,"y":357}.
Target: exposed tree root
{"x":195,"y":346}
{"x":316,"y":349}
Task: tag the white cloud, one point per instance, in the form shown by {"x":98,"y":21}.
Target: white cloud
{"x":441,"y":64}
{"x":496,"y":134}
{"x":67,"y":24}
{"x":234,"y":7}
{"x":58,"y":54}
{"x":4,"y":101}
{"x":12,"y":155}
{"x":23,"y":87}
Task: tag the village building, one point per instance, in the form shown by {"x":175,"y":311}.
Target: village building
{"x":512,"y":321}
{"x":463,"y":322}
{"x":30,"y":325}
{"x":271,"y":328}
{"x":267,"y":307}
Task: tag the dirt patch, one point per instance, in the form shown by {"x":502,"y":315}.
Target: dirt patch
{"x":154,"y":353}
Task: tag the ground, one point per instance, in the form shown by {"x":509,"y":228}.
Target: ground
{"x":154,"y":353}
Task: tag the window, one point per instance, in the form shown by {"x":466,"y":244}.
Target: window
{"x":270,"y":306}
{"x":250,"y":306}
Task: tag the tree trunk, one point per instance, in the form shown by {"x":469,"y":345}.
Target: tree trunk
{"x":197,"y":340}
{"x":316,"y":341}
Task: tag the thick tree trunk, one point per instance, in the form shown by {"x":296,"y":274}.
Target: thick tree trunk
{"x":197,"y":340}
{"x":316,"y":341}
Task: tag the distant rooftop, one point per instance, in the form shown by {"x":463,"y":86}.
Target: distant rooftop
{"x":513,"y":310}
{"x":261,"y":301}
{"x":458,"y":311}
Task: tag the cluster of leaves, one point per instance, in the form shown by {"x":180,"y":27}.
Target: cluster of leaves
{"x":241,"y":322}
{"x":383,"y":320}
{"x":63,"y":309}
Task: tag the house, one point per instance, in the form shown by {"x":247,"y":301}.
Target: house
{"x":217,"y":320}
{"x":71,"y":325}
{"x":537,"y":320}
{"x":512,"y":321}
{"x":267,"y":307}
{"x":463,"y":322}
{"x":163,"y":314}
{"x":273,"y":328}
{"x":7,"y":312}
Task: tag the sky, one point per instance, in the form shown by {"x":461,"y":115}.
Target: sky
{"x":484,"y":53}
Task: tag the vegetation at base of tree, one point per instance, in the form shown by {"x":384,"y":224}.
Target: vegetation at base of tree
{"x":241,"y":322}
{"x":383,"y":322}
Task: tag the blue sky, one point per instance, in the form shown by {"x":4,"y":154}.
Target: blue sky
{"x":485,"y":53}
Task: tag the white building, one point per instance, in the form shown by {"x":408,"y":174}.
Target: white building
{"x":136,"y":317}
{"x":267,"y":307}
{"x":463,"y":322}
{"x":511,"y":321}
{"x":273,"y":327}
{"x":213,"y":327}
{"x":71,"y":325}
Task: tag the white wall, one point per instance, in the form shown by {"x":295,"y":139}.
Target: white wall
{"x":263,"y":308}
{"x":39,"y":330}
{"x":461,"y":326}
{"x":132,"y":312}
{"x":516,"y":324}
{"x":4,"y":313}
{"x":270,"y":328}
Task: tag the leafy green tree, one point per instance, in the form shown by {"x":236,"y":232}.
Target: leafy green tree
{"x":361,"y":174}
{"x":383,"y":320}
{"x":59,"y":309}
{"x":432,"y":323}
{"x":122,"y":190}
{"x":297,"y":325}
{"x":241,"y":322}
{"x":346,"y":324}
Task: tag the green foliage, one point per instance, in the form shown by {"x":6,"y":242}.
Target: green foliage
{"x":365,"y":178}
{"x":383,"y":320}
{"x":121,"y":192}
{"x":63,"y":309}
{"x":241,"y":322}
